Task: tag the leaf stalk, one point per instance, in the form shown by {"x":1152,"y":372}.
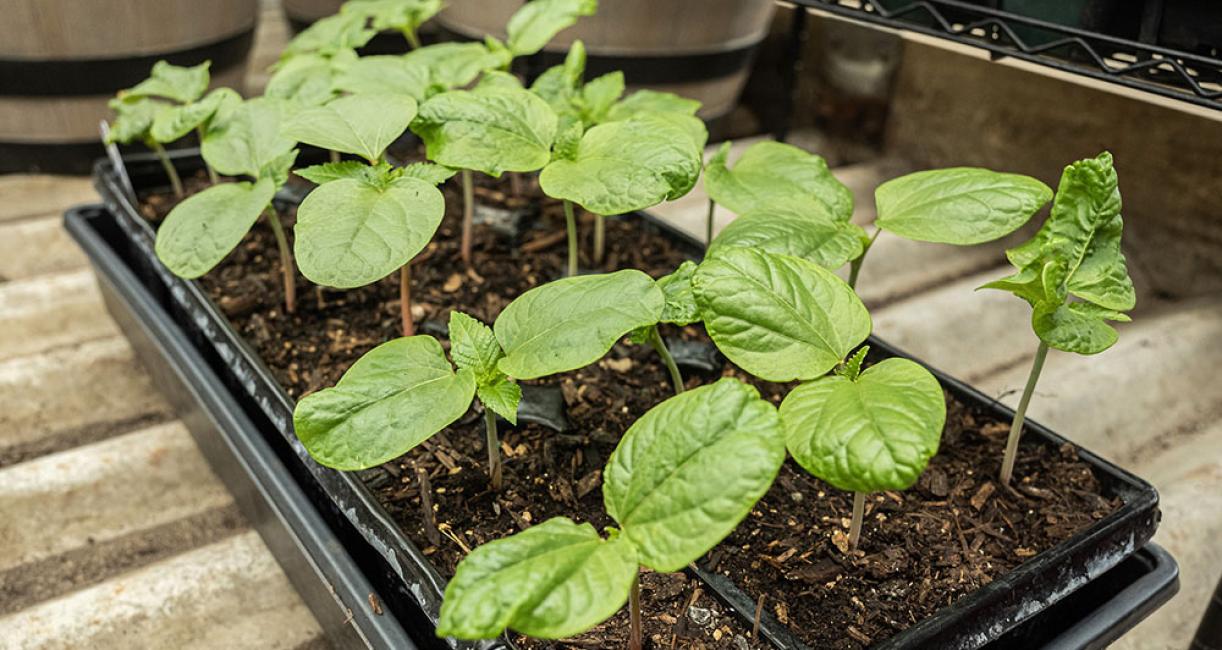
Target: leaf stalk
{"x":634,"y":613}
{"x":212,"y":175}
{"x":1016,"y":427}
{"x":708,"y":227}
{"x":168,"y":166}
{"x":859,"y":513}
{"x":494,"y":449}
{"x":855,"y":265}
{"x":468,"y":215}
{"x":570,"y":224}
{"x":287,"y":270}
{"x":659,"y":345}
{"x":600,"y":239}
{"x":405,"y":299}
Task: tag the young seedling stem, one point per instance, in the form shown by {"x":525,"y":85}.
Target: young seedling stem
{"x":859,"y":513}
{"x":286,"y":260}
{"x":855,"y":266}
{"x":335,"y":156}
{"x":708,"y":228}
{"x":659,"y":345}
{"x":494,"y":451}
{"x":413,"y":41}
{"x":468,"y":215}
{"x":212,"y":177}
{"x":600,"y":239}
{"x":168,"y":166}
{"x":405,"y":299}
{"x":1016,"y":428}
{"x":570,"y":224}
{"x":634,"y":614}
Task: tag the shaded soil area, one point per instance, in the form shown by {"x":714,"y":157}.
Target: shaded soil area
{"x":921,"y":549}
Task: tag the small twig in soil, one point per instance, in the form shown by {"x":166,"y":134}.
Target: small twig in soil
{"x":426,"y":506}
{"x":759,"y":611}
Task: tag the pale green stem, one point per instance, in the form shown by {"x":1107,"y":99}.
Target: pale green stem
{"x":334,"y":156}
{"x":708,"y":230}
{"x":413,"y":41}
{"x":168,"y":166}
{"x":634,"y":613}
{"x":286,"y":260}
{"x":1016,"y":427}
{"x":494,"y":448}
{"x":405,"y":299}
{"x":468,"y":215}
{"x":570,"y":224}
{"x":659,"y":345}
{"x":212,"y":177}
{"x":855,"y":265}
{"x":600,"y":239}
{"x":859,"y":513}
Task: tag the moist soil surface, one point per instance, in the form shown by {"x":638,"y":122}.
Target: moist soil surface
{"x":920,"y":550}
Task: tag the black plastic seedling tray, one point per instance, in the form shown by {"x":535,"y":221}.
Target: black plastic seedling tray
{"x":413,"y":588}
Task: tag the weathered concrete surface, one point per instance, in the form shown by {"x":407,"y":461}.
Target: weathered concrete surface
{"x":29,"y":195}
{"x":45,"y":312}
{"x":38,"y":246}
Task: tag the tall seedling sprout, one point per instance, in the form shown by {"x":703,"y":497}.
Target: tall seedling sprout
{"x":1073,"y":275}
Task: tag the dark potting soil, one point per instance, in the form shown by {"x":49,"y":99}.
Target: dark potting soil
{"x":953,"y":532}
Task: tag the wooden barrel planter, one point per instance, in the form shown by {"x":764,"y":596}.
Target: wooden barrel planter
{"x":61,"y":60}
{"x":697,"y":48}
{"x":303,"y":13}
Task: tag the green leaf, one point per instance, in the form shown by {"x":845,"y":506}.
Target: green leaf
{"x":181,"y":84}
{"x":875,"y":433}
{"x":342,"y":31}
{"x":630,"y":165}
{"x":248,"y":139}
{"x":772,"y":172}
{"x":571,"y":323}
{"x":779,"y":318}
{"x":201,"y":230}
{"x":384,"y":75}
{"x":334,"y":171}
{"x":599,"y":95}
{"x":537,"y":22}
{"x":359,"y":124}
{"x":502,"y":396}
{"x":400,"y":15}
{"x":174,"y":122}
{"x":960,"y":205}
{"x":351,"y":233}
{"x":393,"y":398}
{"x":428,"y":172}
{"x":309,"y":79}
{"x":828,"y":243}
{"x":690,"y":469}
{"x":1076,"y":327}
{"x":680,"y":307}
{"x":133,"y":119}
{"x":453,"y":65}
{"x":498,"y":80}
{"x":549,"y":581}
{"x":489,"y":130}
{"x":473,"y":346}
{"x":559,"y":85}
{"x":651,"y":101}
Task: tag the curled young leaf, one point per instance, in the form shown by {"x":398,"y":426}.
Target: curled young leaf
{"x":571,"y":323}
{"x":428,"y":172}
{"x":537,"y":22}
{"x":680,"y":308}
{"x":453,"y":65}
{"x":393,"y":398}
{"x":334,"y":171}
{"x":501,"y":396}
{"x":491,"y":130}
{"x":769,"y":173}
{"x":779,"y":318}
{"x":874,"y":433}
{"x":630,"y":165}
{"x":134,"y":118}
{"x":690,"y":469}
{"x":549,"y":581}
{"x":960,"y":205}
{"x":473,"y":346}
{"x":199,"y":232}
{"x":174,"y":122}
{"x":598,"y":96}
{"x":559,"y":85}
{"x":181,"y":84}
{"x":830,"y":244}
{"x":247,"y":139}
{"x":350,"y":233}
{"x":1076,"y":327}
{"x":358,"y":124}
{"x":384,"y":75}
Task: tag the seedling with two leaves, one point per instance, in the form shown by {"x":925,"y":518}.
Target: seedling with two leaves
{"x":166,"y":107}
{"x":1073,"y":275}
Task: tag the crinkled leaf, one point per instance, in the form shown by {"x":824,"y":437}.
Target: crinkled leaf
{"x":828,"y":243}
{"x":177,"y":121}
{"x":342,"y":31}
{"x":201,"y":230}
{"x":568,"y":137}
{"x":560,"y":84}
{"x":680,"y":307}
{"x":549,"y":581}
{"x":1077,"y":327}
{"x":473,"y":346}
{"x":278,"y":168}
{"x":537,"y":22}
{"x":181,"y":84}
{"x":491,"y":131}
{"x":690,"y":469}
{"x":629,"y":165}
{"x":651,"y":101}
{"x":875,"y":433}
{"x":498,"y":79}
{"x":334,"y":171}
{"x":359,"y":124}
{"x":350,"y":233}
{"x":454,"y":65}
{"x":571,"y":323}
{"x":309,"y":79}
{"x":772,"y":172}
{"x":384,"y":75}
{"x":248,"y":139}
{"x":502,"y":396}
{"x":599,"y":95}
{"x":133,"y":119}
{"x":960,"y":205}
{"x":779,"y":318}
{"x":428,"y":172}
{"x":393,"y":398}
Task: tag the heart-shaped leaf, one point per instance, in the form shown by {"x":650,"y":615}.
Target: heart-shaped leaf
{"x":599,"y":95}
{"x":177,"y":121}
{"x":571,"y":323}
{"x":247,"y":140}
{"x":489,"y":130}
{"x":961,"y":205}
{"x":384,"y":75}
{"x":454,"y":65}
{"x":537,"y":22}
{"x":351,"y":233}
{"x":651,"y":101}
{"x":779,"y":318}
{"x":393,"y":398}
{"x":199,"y":232}
{"x":335,"y":33}
{"x":358,"y":124}
{"x":630,"y":165}
{"x":134,"y":118}
{"x":181,"y":84}
{"x":769,"y":173}
{"x":549,"y":581}
{"x":828,"y":243}
{"x":874,"y":433}
{"x":690,"y":469}
{"x":309,"y":79}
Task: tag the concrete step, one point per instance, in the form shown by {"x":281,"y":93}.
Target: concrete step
{"x":38,"y":246}
{"x":72,"y":395}
{"x":230,"y":594}
{"x":896,"y":268}
{"x":49,"y":311}
{"x":28,"y":195}
{"x":99,"y":492}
